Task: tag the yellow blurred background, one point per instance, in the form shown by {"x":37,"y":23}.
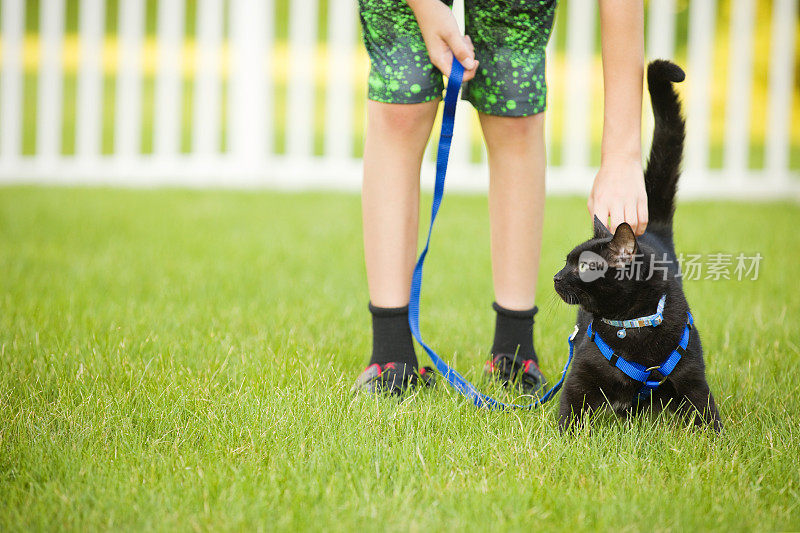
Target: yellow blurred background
{"x":322,"y":68}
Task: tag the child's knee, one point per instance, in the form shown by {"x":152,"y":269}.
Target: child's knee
{"x":519,"y":127}
{"x":403,"y":120}
{"x":511,"y":131}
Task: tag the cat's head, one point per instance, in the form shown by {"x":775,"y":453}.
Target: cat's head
{"x":607,"y":274}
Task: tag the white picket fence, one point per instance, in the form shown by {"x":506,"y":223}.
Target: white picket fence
{"x":250,"y":160}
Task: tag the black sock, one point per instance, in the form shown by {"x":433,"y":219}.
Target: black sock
{"x":391,"y":336}
{"x":513,"y":333}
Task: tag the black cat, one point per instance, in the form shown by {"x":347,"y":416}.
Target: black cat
{"x":621,"y":277}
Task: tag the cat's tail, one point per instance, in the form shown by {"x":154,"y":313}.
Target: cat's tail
{"x":663,"y":165}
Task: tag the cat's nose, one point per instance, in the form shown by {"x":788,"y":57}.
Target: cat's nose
{"x":558,"y":277}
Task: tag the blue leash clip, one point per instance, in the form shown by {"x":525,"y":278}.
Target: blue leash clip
{"x":455,"y":379}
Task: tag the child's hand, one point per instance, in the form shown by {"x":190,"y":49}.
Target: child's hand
{"x":618,"y":193}
{"x":443,"y":38}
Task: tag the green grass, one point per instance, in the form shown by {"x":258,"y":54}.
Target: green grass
{"x":182,"y":360}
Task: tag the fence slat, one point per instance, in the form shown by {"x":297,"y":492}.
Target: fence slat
{"x":302,"y":36}
{"x":250,"y":94}
{"x":168,"y":85}
{"x":128,"y":105}
{"x":740,"y":70}
{"x":661,"y":29}
{"x":580,"y":57}
{"x":462,"y":134}
{"x":206,"y":133}
{"x":91,"y":15}
{"x":702,"y":21}
{"x":11,"y":103}
{"x":48,"y":113}
{"x":660,"y":44}
{"x":339,"y":103}
{"x":781,"y":79}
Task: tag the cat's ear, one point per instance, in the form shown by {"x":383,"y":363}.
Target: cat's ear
{"x":623,"y":246}
{"x":600,"y":229}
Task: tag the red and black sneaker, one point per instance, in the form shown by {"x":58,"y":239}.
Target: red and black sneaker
{"x":394,"y":378}
{"x":507,"y":368}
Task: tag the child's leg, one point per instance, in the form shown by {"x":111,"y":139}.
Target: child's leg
{"x":516,"y":205}
{"x":509,"y":92}
{"x":404,"y":89}
{"x":395,"y":144}
{"x":516,"y":208}
{"x":393,"y":151}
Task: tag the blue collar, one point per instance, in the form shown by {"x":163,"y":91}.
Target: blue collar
{"x":650,"y":320}
{"x":652,"y":377}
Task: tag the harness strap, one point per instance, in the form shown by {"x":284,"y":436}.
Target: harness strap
{"x":638,"y":372}
{"x":455,"y":379}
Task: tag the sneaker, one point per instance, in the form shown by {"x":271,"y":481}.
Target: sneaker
{"x":394,"y":378}
{"x":507,"y":368}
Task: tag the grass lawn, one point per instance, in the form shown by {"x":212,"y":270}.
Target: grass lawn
{"x":182,"y":360}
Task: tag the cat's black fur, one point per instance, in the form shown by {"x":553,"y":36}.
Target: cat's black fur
{"x":592,"y":382}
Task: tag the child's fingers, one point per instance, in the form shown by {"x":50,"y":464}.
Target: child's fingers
{"x":470,"y":73}
{"x":643,"y":215}
{"x":443,"y":62}
{"x":632,"y":218}
{"x":458,"y":45}
{"x":617,"y":216}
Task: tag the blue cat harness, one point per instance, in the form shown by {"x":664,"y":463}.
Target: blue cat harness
{"x":650,"y":378}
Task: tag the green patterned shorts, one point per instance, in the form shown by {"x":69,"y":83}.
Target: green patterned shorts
{"x":509,"y":37}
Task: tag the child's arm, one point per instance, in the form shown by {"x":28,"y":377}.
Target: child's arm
{"x":442,"y":37}
{"x":618,"y":192}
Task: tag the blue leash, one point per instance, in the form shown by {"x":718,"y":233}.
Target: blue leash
{"x":454,"y":378}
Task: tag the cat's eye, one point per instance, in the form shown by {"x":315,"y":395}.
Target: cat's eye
{"x":583,"y":267}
